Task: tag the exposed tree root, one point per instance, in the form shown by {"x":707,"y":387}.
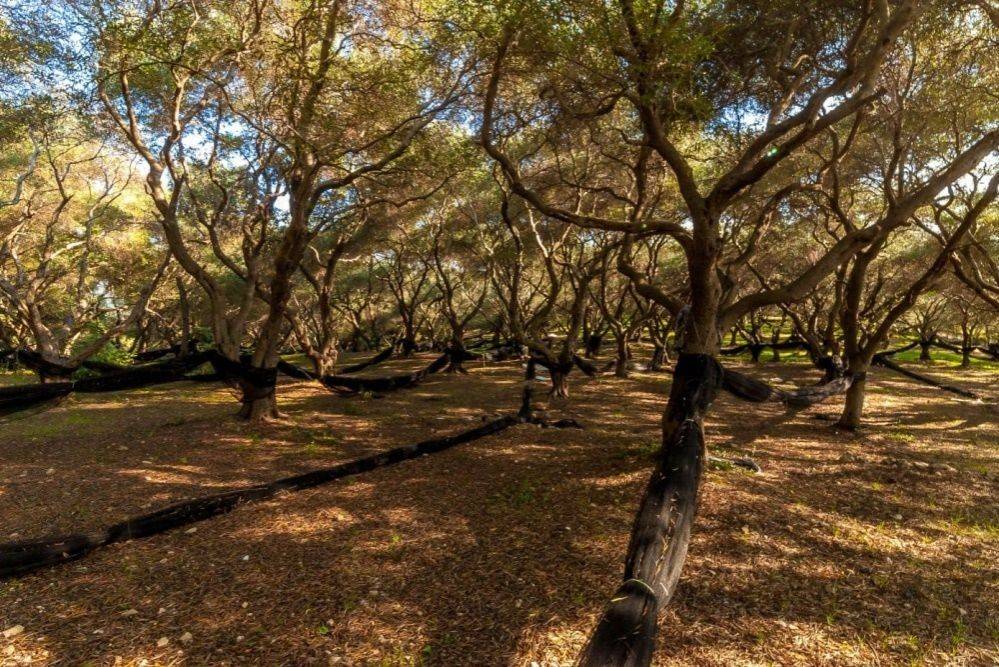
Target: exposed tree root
{"x":374,"y":361}
{"x":17,"y":558}
{"x":757,"y":391}
{"x":293,"y":371}
{"x":741,"y":462}
{"x":383,"y":384}
{"x":255,"y":383}
{"x":21,"y":397}
{"x":558,"y":423}
{"x":954,"y":347}
{"x":900,"y":350}
{"x":792,"y":344}
{"x":45,"y":368}
{"x":102,"y":366}
{"x":153,"y":355}
{"x":883,"y":361}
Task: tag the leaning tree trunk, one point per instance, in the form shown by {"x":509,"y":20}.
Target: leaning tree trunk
{"x":52,"y":373}
{"x":47,"y":371}
{"x":924,"y":350}
{"x":626,"y":632}
{"x":754,"y":351}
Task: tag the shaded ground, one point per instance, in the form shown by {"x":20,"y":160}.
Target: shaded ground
{"x":503,"y":551}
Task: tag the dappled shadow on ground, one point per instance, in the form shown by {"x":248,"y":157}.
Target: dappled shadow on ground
{"x":102,"y":456}
{"x":504,"y":550}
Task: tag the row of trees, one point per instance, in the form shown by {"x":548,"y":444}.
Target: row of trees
{"x":291,"y":174}
{"x":160,"y":159}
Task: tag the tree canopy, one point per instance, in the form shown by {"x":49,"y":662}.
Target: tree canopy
{"x":278,"y":176}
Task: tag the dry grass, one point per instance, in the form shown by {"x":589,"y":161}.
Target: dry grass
{"x":503,"y":551}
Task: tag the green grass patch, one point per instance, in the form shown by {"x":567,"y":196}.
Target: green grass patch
{"x":646,"y":450}
{"x":351,"y":409}
{"x":76,"y":421}
{"x":943,"y":359}
{"x":19,"y":377}
{"x":521,"y":495}
{"x":974,"y":524}
{"x":298,"y":360}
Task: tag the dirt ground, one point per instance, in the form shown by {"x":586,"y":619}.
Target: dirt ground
{"x":872,"y":549}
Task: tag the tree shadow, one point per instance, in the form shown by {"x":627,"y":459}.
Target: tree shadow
{"x":507,"y":547}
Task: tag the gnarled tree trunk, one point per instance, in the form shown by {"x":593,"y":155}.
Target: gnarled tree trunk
{"x":626,"y":632}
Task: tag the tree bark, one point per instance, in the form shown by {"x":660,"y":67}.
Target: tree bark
{"x":966,"y":347}
{"x":323,"y":364}
{"x":626,"y":632}
{"x":853,"y":407}
{"x":260,"y":409}
{"x":831,"y":365}
{"x":408,"y":346}
{"x":456,"y":355}
{"x":658,"y":358}
{"x":592,"y":350}
{"x":185,"y":317}
{"x":621,"y":361}
{"x":560,"y":384}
